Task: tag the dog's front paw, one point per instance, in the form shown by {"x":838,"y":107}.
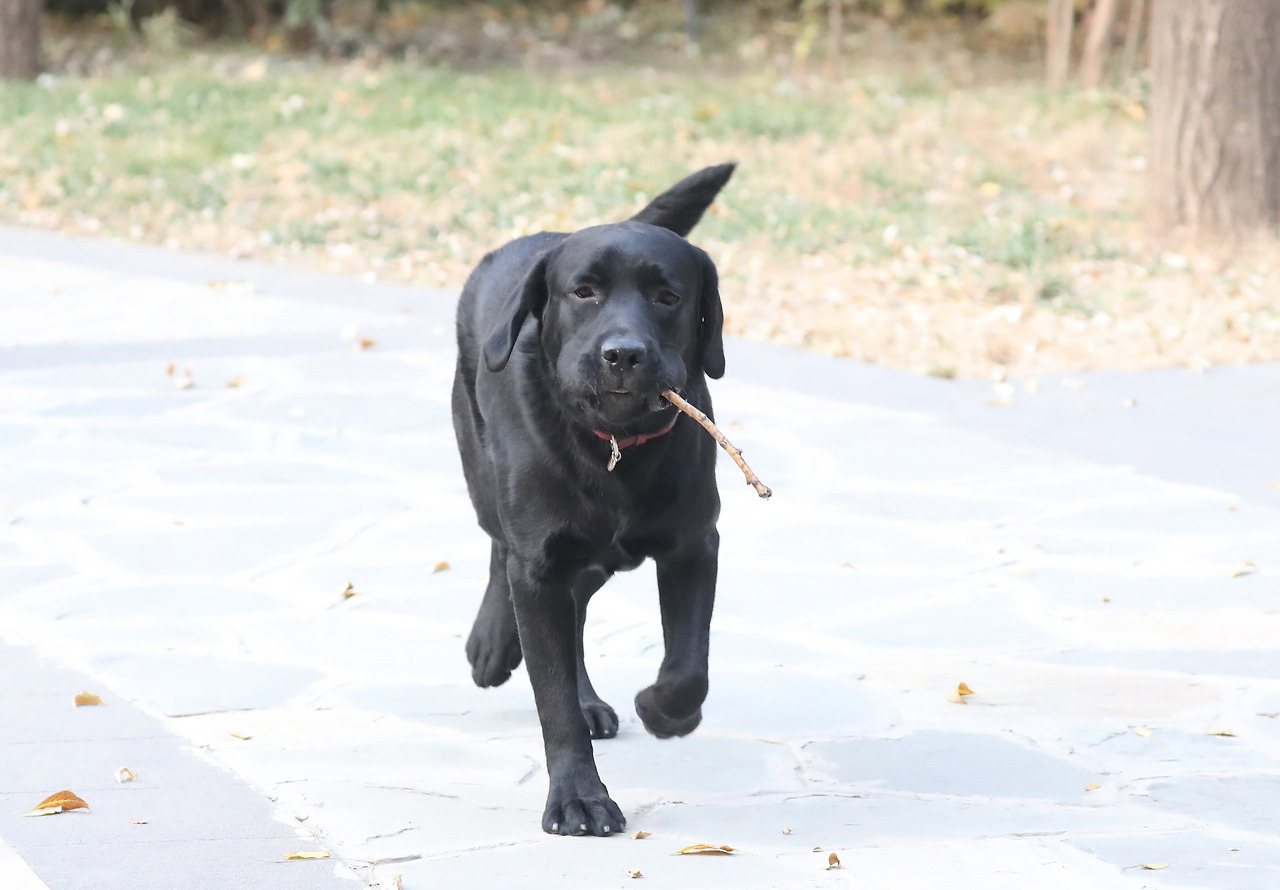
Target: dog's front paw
{"x":601,"y":719}
{"x":671,"y":709}
{"x":571,"y":813}
{"x":494,"y":652}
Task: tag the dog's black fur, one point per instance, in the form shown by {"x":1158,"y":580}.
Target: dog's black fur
{"x":563,"y":341}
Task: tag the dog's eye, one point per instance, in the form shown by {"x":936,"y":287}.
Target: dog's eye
{"x":585,"y":292}
{"x":668,"y":298}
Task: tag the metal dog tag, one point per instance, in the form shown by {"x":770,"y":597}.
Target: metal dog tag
{"x":616,"y":454}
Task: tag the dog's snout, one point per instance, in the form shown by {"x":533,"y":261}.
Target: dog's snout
{"x":623,"y":353}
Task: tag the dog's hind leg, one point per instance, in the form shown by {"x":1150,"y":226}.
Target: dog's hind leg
{"x":493,"y":648}
{"x":601,"y":719}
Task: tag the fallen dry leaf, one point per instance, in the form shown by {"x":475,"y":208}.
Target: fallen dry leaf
{"x":1226,"y":733}
{"x":236,"y":735}
{"x":169,"y":370}
{"x":961,"y":691}
{"x":1141,"y":730}
{"x":706,"y":850}
{"x":235,"y":381}
{"x":833,"y":861}
{"x":1155,"y":866}
{"x":87,"y":698}
{"x":316,"y":854}
{"x":1094,"y":786}
{"x":366,"y":343}
{"x":349,"y":591}
{"x":786,"y":831}
{"x":124,"y":774}
{"x":634,"y":873}
{"x":640,"y":835}
{"x":57,"y":803}
{"x":1245,"y":568}
{"x":816,"y":850}
{"x":440,"y":567}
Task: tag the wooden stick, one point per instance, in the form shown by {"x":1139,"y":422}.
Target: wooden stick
{"x":752,"y":479}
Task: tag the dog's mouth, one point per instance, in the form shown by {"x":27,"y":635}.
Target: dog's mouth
{"x":623,"y":412}
{"x":621,"y":397}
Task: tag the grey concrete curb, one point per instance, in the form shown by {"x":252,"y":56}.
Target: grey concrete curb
{"x":205,"y":828}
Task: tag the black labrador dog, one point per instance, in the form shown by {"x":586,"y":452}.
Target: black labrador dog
{"x":578,"y":468}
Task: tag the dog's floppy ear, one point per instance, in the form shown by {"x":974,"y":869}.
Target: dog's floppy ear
{"x":710,"y":337}
{"x":529,"y":296}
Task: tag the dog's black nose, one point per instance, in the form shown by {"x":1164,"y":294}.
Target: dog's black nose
{"x":622,"y":353}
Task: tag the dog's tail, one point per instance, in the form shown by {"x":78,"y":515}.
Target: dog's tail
{"x":680,"y":207}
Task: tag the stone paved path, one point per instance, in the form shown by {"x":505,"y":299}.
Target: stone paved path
{"x":183,"y":551}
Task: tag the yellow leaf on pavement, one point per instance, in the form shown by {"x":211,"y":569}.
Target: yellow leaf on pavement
{"x":57,"y":803}
{"x":87,"y":698}
{"x":706,"y":850}
{"x":316,"y":854}
{"x":1155,"y":866}
{"x":124,"y":774}
{"x":1245,"y":568}
{"x":833,"y":861}
{"x":640,"y":835}
{"x":1142,"y":731}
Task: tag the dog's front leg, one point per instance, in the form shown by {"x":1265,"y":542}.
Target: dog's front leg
{"x":577,"y":801}
{"x":686,"y":592}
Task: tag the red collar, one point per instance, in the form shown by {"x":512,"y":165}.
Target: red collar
{"x":640,"y":440}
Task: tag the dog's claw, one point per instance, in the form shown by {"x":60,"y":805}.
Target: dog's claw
{"x":596,"y":815}
{"x":602,"y":720}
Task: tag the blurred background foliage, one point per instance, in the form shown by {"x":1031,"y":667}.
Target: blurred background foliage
{"x":344,"y":28}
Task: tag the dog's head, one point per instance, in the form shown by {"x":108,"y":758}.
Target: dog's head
{"x":626,"y":311}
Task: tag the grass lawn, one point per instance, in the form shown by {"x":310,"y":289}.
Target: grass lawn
{"x":906,"y":214}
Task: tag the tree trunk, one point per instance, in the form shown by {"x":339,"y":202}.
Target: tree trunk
{"x":20,"y":38}
{"x":1215,"y":114}
{"x":1133,"y":36}
{"x":1097,"y":46}
{"x":1061,"y":24}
